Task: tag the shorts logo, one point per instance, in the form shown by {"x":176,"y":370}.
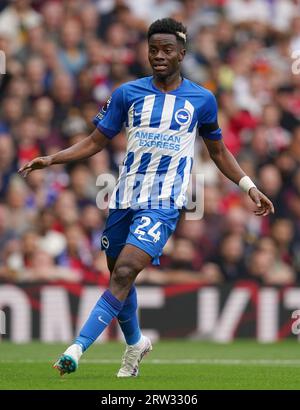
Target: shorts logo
{"x":105,"y":242}
{"x":183,"y":116}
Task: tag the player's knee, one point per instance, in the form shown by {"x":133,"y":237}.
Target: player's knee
{"x":123,"y":275}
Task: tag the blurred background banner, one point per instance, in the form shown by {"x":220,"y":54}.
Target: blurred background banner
{"x":55,"y":312}
{"x":63,"y":60}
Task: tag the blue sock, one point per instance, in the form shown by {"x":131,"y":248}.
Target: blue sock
{"x":100,"y":317}
{"x":128,"y":319}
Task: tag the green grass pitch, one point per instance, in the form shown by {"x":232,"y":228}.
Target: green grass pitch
{"x":173,"y":365}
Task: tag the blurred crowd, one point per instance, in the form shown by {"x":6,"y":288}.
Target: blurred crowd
{"x":63,"y":60}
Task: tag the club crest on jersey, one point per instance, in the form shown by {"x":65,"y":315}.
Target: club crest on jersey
{"x":183,"y":116}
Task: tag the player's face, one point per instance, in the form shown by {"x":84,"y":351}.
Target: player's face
{"x":165,"y":54}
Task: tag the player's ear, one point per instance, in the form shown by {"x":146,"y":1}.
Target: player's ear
{"x":181,"y":53}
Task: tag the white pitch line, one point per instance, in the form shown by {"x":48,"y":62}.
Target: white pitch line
{"x":263,"y":362}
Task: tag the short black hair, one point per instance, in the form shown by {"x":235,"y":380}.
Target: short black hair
{"x":168,"y":26}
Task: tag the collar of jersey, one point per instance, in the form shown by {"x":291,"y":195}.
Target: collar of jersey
{"x":167,"y":92}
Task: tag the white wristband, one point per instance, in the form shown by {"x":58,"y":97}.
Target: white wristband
{"x":246,"y":184}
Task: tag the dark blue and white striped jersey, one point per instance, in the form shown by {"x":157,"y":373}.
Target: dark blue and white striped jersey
{"x":161,"y":130}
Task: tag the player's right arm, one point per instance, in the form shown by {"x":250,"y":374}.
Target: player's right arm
{"x":108,"y":122}
{"x":89,"y":146}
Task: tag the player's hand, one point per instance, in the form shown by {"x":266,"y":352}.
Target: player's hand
{"x":37,"y":163}
{"x":264,"y":205}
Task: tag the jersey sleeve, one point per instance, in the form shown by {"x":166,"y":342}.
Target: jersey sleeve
{"x":208,"y":119}
{"x":112,"y":115}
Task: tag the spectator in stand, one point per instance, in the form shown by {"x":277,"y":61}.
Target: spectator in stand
{"x":71,"y":55}
{"x":51,"y":240}
{"x":270,"y":180}
{"x":7,"y":234}
{"x":92,"y":223}
{"x":266,"y":267}
{"x":13,"y":111}
{"x":283,"y":232}
{"x":89,"y":20}
{"x":284,"y":99}
{"x":229,"y":264}
{"x":36,"y":76}
{"x":184,"y":255}
{"x":43,"y":111}
{"x":82,"y":185}
{"x":28,"y":139}
{"x":34,"y":44}
{"x":294,"y":146}
{"x":77,"y":253}
{"x":63,"y":89}
{"x":17,"y":18}
{"x":277,"y":137}
{"x":8,"y":162}
{"x":21,"y":216}
{"x":43,"y":268}
{"x":53,"y":18}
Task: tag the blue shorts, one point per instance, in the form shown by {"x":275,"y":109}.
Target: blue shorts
{"x":147,"y":229}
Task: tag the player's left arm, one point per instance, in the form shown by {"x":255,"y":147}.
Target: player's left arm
{"x":228,"y":165}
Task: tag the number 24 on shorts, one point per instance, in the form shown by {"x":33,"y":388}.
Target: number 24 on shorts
{"x":153,"y":232}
